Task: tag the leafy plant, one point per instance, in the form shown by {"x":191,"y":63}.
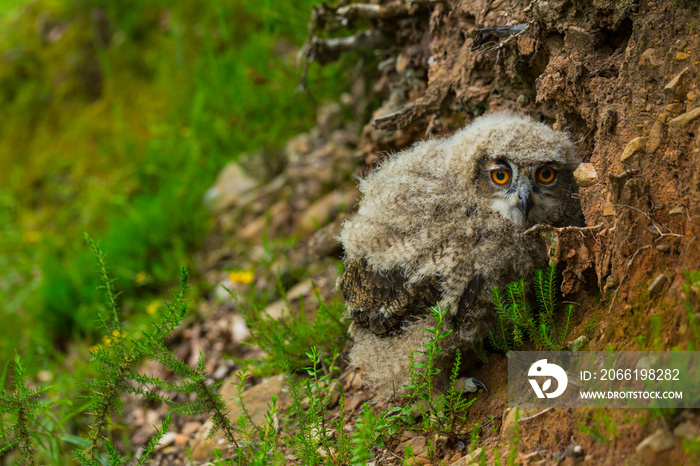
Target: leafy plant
{"x":517,"y":321}
{"x":22,"y":405}
{"x":444,"y":412}
{"x":115,"y":363}
{"x":295,"y":331}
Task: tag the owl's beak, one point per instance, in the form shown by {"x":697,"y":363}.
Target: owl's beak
{"x":525,"y":196}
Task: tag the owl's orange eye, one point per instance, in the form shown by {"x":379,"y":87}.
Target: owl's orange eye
{"x":500,"y":175}
{"x":546,"y":174}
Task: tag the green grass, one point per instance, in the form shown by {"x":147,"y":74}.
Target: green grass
{"x":117,"y":127}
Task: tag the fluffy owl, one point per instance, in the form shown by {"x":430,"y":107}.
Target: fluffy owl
{"x":443,"y":222}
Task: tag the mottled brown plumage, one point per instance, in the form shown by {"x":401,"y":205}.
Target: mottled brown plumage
{"x":443,"y":222}
{"x":381,"y":302}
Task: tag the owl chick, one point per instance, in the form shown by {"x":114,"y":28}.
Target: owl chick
{"x":443,"y":222}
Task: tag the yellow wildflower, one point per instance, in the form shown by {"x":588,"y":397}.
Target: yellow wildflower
{"x":153,"y":307}
{"x":244,"y":277}
{"x":140,"y":277}
{"x":106,"y":340}
{"x":31,"y":236}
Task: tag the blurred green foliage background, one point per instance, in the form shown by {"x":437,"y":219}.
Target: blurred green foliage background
{"x":115,"y":117}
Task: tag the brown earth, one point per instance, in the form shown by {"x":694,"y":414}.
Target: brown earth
{"x":620,"y":76}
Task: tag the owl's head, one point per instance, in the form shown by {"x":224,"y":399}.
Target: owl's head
{"x":518,"y":168}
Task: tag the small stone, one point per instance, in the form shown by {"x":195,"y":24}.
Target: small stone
{"x":658,"y":284}
{"x":573,"y":451}
{"x":658,"y":442}
{"x":167,"y":439}
{"x":656,"y":136}
{"x":320,"y":212}
{"x":471,"y":458}
{"x":401,"y":63}
{"x":253,"y":229}
{"x":676,"y":87}
{"x":231,"y":183}
{"x":239,"y":329}
{"x":632,"y":147}
{"x":301,"y":290}
{"x":586,"y":175}
{"x":608,"y":207}
{"x":692,"y":95}
{"x":687,"y":430}
{"x":663,"y":247}
{"x":682,"y":121}
{"x":221,"y":372}
{"x":181,"y":440}
{"x":418,"y":444}
{"x":680,"y":56}
{"x":421,"y":460}
{"x":674,"y":108}
{"x":678,"y":210}
{"x":44,"y":376}
{"x":190,"y":428}
{"x":650,"y":59}
{"x":275,"y":310}
{"x":355,"y":402}
{"x":357,"y":381}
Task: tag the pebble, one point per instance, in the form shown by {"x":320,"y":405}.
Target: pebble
{"x":676,"y":86}
{"x":355,"y":402}
{"x":678,"y":210}
{"x":191,"y":427}
{"x":608,"y":209}
{"x":685,"y":119}
{"x":658,"y":284}
{"x":687,"y":430}
{"x":650,"y":59}
{"x":659,"y":441}
{"x":663,"y":247}
{"x":471,"y":458}
{"x":418,"y":444}
{"x":632,"y":147}
{"x":573,"y":451}
{"x":676,"y":107}
{"x":586,"y":175}
{"x":167,"y":439}
{"x":421,"y":460}
{"x":656,"y":136}
{"x":357,"y":381}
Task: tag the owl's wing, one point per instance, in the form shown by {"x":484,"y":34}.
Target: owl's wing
{"x":380,"y":302}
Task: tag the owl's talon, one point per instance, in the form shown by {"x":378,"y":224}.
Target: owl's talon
{"x":470,"y":385}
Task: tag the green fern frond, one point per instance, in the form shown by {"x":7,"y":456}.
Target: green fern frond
{"x":566,"y":325}
{"x":545,"y":290}
{"x":515,"y":317}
